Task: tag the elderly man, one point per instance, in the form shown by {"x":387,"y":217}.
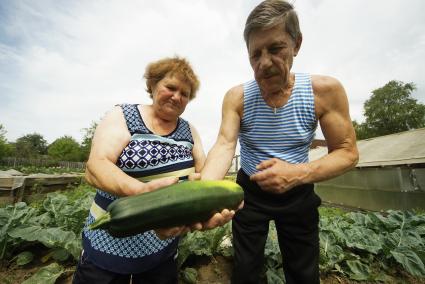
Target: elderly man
{"x":275,"y":118}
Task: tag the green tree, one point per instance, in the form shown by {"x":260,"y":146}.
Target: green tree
{"x":11,"y":149}
{"x":65,"y":149}
{"x":31,"y":146}
{"x":362,"y":132}
{"x":391,"y":109}
{"x":87,"y":139}
{"x":4,"y":146}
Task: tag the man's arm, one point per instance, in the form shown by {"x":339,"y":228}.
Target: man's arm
{"x":220,"y":156}
{"x":332,"y":112}
{"x":217,"y":163}
{"x":110,"y":138}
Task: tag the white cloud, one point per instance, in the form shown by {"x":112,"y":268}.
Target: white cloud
{"x":64,"y":64}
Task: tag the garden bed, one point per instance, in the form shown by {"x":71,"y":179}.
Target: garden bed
{"x":355,"y":247}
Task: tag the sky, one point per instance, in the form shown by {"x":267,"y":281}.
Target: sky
{"x":64,"y":64}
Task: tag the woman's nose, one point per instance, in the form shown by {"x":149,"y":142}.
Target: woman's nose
{"x":177,"y":95}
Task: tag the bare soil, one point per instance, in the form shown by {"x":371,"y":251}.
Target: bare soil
{"x":215,"y":270}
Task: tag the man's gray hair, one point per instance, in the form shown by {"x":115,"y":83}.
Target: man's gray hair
{"x":270,"y":13}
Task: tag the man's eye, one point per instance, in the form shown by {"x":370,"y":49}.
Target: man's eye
{"x":255,"y":56}
{"x":275,"y":50}
{"x":171,"y":87}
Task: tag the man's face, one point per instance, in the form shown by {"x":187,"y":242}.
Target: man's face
{"x":271,"y":53}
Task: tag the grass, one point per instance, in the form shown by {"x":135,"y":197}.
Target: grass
{"x":71,"y":192}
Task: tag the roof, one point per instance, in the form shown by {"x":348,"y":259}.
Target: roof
{"x":402,"y":148}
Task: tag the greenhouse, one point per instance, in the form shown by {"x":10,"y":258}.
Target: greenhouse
{"x":390,"y":174}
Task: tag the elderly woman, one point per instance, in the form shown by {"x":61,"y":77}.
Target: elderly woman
{"x":137,"y":149}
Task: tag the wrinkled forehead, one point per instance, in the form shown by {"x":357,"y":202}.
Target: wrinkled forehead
{"x":179,"y":79}
{"x":268,"y":36}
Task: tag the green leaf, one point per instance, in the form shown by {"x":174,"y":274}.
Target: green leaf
{"x":273,"y":276}
{"x":421,"y":229}
{"x":30,"y":233}
{"x":358,"y":270}
{"x":68,"y":215}
{"x":24,"y":257}
{"x":44,"y":220}
{"x":360,"y":219}
{"x":219,"y":234}
{"x":272,"y":255}
{"x":60,"y":254}
{"x":46,"y":275}
{"x":364,"y":239}
{"x":409,"y":260}
{"x":195,"y":243}
{"x":421,"y":254}
{"x":50,"y":237}
{"x":11,"y":217}
{"x":74,"y":248}
{"x":333,"y":255}
{"x":55,"y":237}
{"x":189,"y":275}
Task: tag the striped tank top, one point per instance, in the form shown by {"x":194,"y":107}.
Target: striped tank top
{"x":286,"y":134}
{"x":146,"y":157}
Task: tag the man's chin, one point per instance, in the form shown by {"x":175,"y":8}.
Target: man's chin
{"x":270,"y":88}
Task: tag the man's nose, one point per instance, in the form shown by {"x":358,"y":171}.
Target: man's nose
{"x":265,"y":61}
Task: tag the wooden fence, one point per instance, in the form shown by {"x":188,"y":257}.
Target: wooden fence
{"x":34,"y":187}
{"x":18,"y":162}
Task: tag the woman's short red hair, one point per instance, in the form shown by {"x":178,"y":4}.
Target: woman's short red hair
{"x":174,"y":66}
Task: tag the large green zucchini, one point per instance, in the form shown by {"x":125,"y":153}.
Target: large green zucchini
{"x":178,"y":204}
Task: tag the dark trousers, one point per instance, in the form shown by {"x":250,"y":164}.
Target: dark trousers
{"x":296,"y":217}
{"x":88,"y":273}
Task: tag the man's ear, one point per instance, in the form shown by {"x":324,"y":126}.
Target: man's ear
{"x":298,"y":45}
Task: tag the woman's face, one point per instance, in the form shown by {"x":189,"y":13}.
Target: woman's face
{"x":170,"y":96}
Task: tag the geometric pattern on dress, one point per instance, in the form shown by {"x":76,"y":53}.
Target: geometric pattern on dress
{"x":183,"y":133}
{"x":135,"y":246}
{"x":106,"y":194}
{"x":141,"y":154}
{"x":136,"y":125}
{"x":145,"y":154}
{"x":132,"y":119}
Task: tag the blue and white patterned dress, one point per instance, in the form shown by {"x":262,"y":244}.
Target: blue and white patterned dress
{"x":146,"y":157}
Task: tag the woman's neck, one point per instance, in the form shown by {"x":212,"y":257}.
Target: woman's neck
{"x":157,"y":122}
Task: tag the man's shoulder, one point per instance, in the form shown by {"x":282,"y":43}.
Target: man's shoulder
{"x":235,"y":93}
{"x":238,"y":89}
{"x":234,"y":98}
{"x":323,"y":84}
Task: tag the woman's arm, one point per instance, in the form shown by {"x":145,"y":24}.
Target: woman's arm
{"x":110,"y":138}
{"x":198,"y":150}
